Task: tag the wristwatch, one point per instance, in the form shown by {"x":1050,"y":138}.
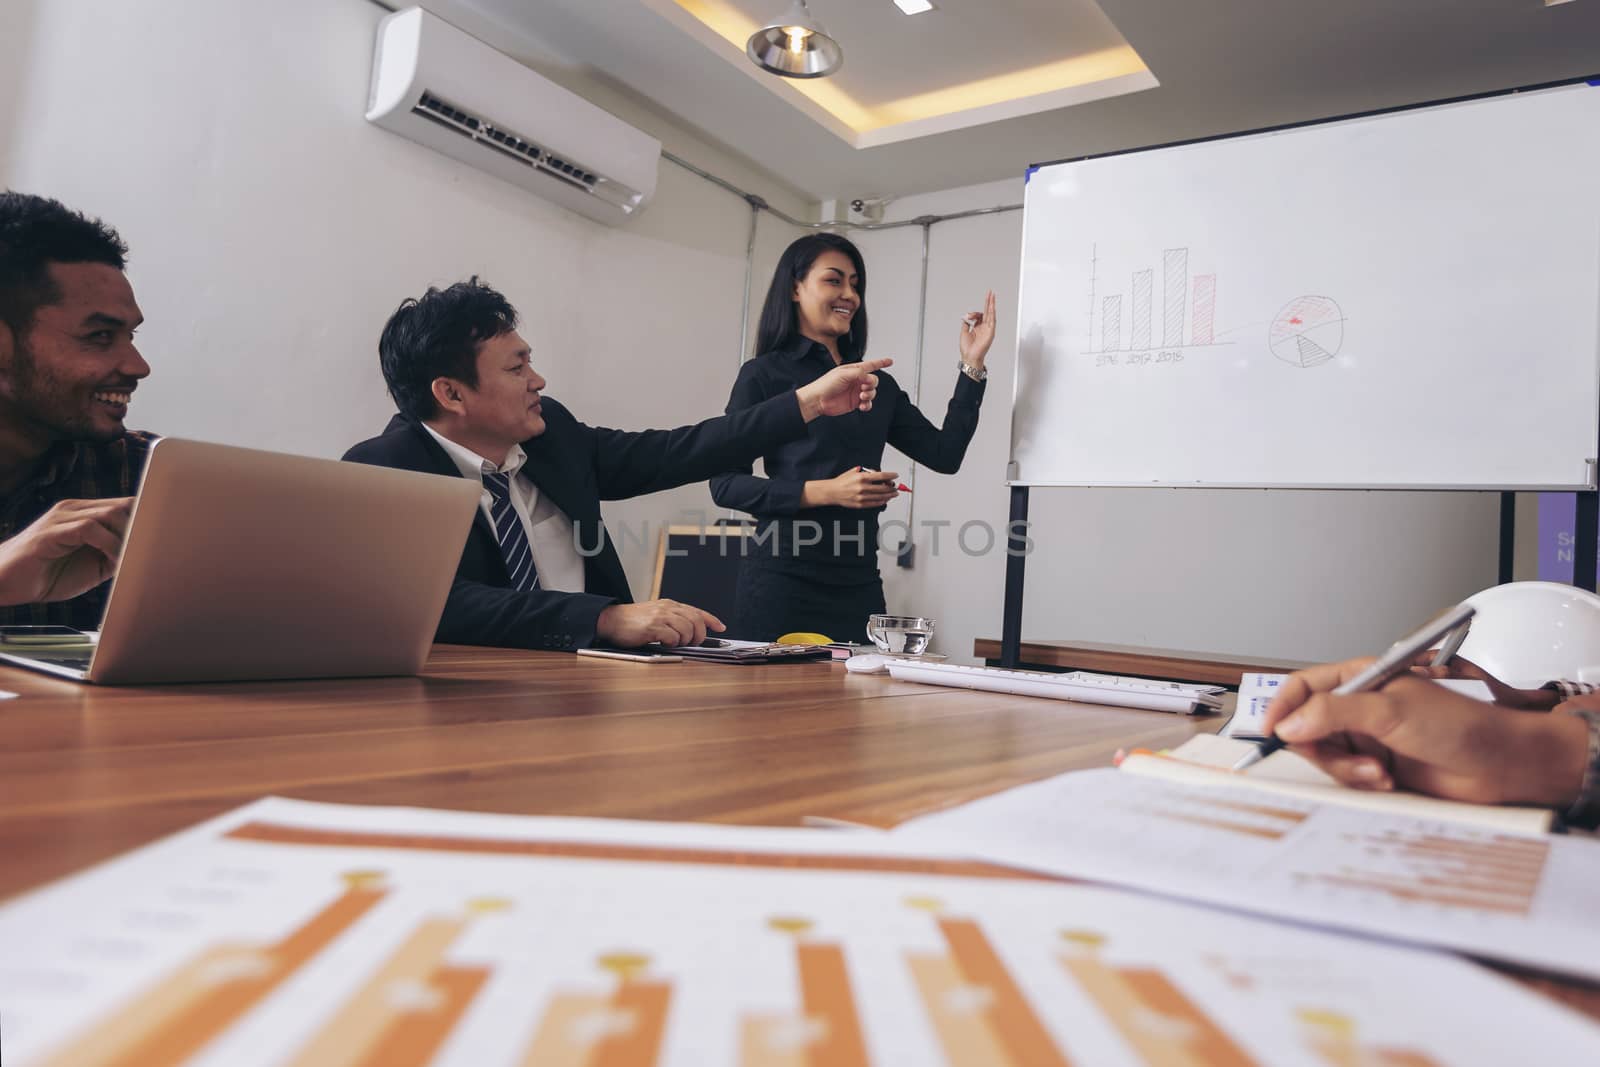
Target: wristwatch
{"x":1585,"y":811}
{"x":977,"y":374}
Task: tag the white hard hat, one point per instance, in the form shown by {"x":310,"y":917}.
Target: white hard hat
{"x":1530,"y":633}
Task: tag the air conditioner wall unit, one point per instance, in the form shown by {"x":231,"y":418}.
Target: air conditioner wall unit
{"x":441,"y":87}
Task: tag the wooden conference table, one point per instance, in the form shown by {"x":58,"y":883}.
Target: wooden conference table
{"x":86,"y":773}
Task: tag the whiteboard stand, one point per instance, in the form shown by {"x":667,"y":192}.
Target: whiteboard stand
{"x":1586,"y":539}
{"x":1508,"y":536}
{"x":1016,"y":561}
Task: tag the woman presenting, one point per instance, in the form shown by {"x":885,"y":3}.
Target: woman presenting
{"x":813,"y":566}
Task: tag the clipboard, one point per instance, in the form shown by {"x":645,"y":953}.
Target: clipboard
{"x":727,"y":650}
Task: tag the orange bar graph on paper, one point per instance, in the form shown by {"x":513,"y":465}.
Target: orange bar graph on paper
{"x":1266,"y":811}
{"x":1400,"y":1057}
{"x":1332,"y":1037}
{"x":1210,"y":1045}
{"x":958,"y":1012}
{"x":400,"y":988}
{"x":1122,"y":1009}
{"x":205,"y":996}
{"x":568,"y":1031}
{"x":415,"y":1036}
{"x":774,"y":1041}
{"x":826,"y":1029}
{"x":623,"y":1029}
{"x":827,"y":996}
{"x":644,"y":1003}
{"x":1015,"y":1024}
{"x":1151,"y":1013}
{"x":1229,"y":825}
{"x":1497,"y":874}
{"x":1509,"y":856}
{"x":1420,"y":894}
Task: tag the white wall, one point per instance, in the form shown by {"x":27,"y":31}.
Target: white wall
{"x":1300,"y":575}
{"x":16,"y":33}
{"x":273,"y":230}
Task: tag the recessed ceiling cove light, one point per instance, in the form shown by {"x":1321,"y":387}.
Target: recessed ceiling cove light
{"x":914,"y":7}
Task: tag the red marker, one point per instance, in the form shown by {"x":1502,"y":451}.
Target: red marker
{"x":903,"y":487}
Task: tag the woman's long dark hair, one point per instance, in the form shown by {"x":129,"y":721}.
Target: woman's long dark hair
{"x":780,"y":320}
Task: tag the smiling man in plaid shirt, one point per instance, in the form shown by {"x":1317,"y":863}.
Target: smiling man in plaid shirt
{"x":68,"y":369}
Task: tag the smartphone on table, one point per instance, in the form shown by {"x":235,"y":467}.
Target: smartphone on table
{"x":639,"y":655}
{"x":35,"y":636}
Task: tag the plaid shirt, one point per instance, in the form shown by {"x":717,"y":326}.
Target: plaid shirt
{"x":72,"y":471}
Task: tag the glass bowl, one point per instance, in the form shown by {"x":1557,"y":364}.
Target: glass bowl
{"x":900,"y":635}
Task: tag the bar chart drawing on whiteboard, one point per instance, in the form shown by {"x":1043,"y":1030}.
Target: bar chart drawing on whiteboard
{"x":1187,"y":318}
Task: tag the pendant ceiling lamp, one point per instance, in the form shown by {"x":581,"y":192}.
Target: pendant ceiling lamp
{"x":795,"y":46}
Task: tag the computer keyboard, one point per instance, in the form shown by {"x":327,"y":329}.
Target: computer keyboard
{"x":1078,"y":685}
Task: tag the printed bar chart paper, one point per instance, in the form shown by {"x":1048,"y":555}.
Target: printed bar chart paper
{"x":295,"y":933}
{"x":1525,"y":898}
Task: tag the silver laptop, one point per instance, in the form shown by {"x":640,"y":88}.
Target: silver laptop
{"x":242,"y":565}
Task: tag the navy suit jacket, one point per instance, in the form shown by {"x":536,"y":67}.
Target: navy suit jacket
{"x":576,"y":466}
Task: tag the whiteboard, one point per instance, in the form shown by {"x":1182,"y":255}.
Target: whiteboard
{"x":1402,"y":300}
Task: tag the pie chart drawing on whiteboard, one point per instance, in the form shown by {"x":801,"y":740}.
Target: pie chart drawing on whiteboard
{"x":1307,"y":332}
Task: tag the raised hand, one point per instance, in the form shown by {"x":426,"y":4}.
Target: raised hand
{"x":977,"y":333}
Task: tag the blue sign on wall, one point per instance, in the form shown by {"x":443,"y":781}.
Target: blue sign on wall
{"x":1558,"y":514}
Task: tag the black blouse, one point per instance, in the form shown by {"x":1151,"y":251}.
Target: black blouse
{"x":846,"y":539}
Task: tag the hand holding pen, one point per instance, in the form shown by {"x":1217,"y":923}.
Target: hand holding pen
{"x":1400,"y":657}
{"x":857,"y":487}
{"x":900,"y":487}
{"x":1415,"y":735}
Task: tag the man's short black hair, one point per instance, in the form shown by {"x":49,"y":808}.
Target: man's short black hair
{"x":437,"y":336}
{"x":35,"y":232}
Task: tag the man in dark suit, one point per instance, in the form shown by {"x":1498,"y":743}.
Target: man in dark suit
{"x":538,"y":570}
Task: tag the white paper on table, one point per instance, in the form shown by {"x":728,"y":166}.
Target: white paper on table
{"x":559,"y":936}
{"x":1523,"y":898}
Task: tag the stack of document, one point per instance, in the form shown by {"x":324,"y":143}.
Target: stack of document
{"x":314,"y":935}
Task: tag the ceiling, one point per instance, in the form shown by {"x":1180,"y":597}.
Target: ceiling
{"x":1036,"y":55}
{"x":1213,"y":66}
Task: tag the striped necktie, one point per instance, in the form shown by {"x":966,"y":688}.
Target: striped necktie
{"x":509,"y":532}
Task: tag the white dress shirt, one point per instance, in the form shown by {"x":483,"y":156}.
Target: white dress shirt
{"x":549,"y":530}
